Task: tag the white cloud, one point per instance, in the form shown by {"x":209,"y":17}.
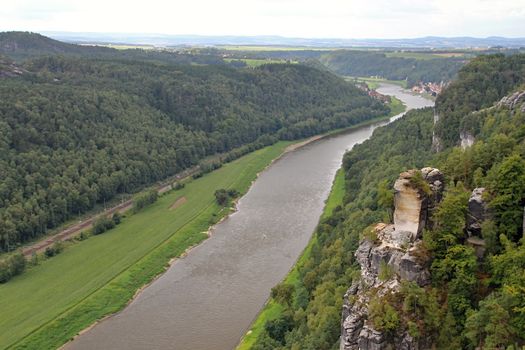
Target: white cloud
{"x":300,"y":18}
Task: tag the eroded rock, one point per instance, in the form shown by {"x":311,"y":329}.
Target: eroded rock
{"x":394,"y":247}
{"x":477,"y":212}
{"x":413,"y":207}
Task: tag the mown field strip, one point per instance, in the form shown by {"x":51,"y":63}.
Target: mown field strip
{"x":53,"y":301}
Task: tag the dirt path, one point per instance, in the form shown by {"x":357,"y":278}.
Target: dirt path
{"x":178,"y":203}
{"x":75,"y":229}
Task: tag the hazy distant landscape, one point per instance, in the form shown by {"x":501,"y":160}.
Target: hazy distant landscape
{"x":203,"y":40}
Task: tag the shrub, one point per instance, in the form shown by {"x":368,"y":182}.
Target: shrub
{"x":278,"y":328}
{"x":418,"y":182}
{"x":383,"y":315}
{"x":223,"y":196}
{"x":144,"y":200}
{"x":102,"y":224}
{"x":178,"y":186}
{"x":117,"y":218}
{"x":386,"y":271}
{"x":12,"y":266}
{"x":283,"y":293}
{"x":53,"y":250}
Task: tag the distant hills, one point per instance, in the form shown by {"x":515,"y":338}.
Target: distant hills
{"x":179,"y":40}
{"x":19,"y":45}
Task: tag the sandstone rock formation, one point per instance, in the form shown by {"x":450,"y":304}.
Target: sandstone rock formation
{"x":477,"y":210}
{"x":466,"y":139}
{"x":395,"y":248}
{"x":412,"y":205}
{"x":514,"y":101}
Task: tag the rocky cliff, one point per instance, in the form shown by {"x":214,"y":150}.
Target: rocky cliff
{"x":388,"y":255}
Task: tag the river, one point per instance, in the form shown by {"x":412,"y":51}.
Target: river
{"x":208,"y":299}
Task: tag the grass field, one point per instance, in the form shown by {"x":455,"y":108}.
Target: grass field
{"x":270,"y":48}
{"x":396,"y":106}
{"x":50,"y":303}
{"x":253,"y":62}
{"x":373,"y":83}
{"x":272,"y":309}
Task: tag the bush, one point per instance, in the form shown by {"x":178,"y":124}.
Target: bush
{"x":386,"y":271}
{"x":12,"y":266}
{"x":224,"y":196}
{"x":418,"y":182}
{"x":283,"y":293}
{"x":117,"y":218}
{"x":102,"y":224}
{"x":144,"y":200}
{"x":178,"y":186}
{"x":53,"y":250}
{"x":278,"y":328}
{"x":383,"y":315}
{"x":5,"y":271}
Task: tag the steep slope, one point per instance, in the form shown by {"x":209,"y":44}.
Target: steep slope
{"x":26,"y":45}
{"x":456,"y":284}
{"x":21,"y":45}
{"x":367,"y":63}
{"x":76,"y":131}
{"x":479,"y":85}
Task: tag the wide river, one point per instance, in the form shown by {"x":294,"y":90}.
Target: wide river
{"x":208,"y":299}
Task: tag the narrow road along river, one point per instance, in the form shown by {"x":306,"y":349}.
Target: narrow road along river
{"x":208,"y":299}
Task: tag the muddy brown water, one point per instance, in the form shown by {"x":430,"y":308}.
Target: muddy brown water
{"x":208,"y":299}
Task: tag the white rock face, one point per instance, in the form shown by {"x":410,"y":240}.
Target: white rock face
{"x":467,"y":139}
{"x":412,"y":205}
{"x":408,"y":202}
{"x":396,"y":246}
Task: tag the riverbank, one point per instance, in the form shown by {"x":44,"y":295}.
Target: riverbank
{"x":99,"y":276}
{"x":272,"y":310}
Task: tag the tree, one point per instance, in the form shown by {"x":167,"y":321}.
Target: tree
{"x":283,"y":293}
{"x":508,"y":188}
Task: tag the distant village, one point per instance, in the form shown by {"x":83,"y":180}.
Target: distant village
{"x":373,"y":93}
{"x":432,"y":89}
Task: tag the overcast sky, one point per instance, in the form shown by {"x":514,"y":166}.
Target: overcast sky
{"x":291,"y":18}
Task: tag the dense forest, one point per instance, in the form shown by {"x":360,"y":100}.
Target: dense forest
{"x":76,"y":131}
{"x":481,"y":83}
{"x":25,"y":45}
{"x":472,"y":302}
{"x":369,"y":63}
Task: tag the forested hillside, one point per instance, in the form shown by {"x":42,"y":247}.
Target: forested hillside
{"x":21,"y":46}
{"x":369,"y":63}
{"x":77,"y":131}
{"x":479,"y":85}
{"x":473,"y":301}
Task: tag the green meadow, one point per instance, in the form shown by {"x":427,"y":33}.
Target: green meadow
{"x":373,"y":83}
{"x":51,"y":302}
{"x":255,"y":62}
